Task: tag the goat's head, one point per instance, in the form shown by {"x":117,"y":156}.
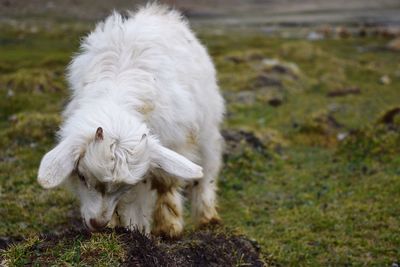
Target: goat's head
{"x":106,"y":168}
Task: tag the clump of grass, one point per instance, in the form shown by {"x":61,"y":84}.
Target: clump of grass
{"x":69,"y":248}
{"x":320,"y":122}
{"x":33,"y":127}
{"x":378,"y":141}
{"x":320,"y":128}
{"x":105,"y":249}
{"x":301,"y":50}
{"x":19,"y":254}
{"x":31,"y":81}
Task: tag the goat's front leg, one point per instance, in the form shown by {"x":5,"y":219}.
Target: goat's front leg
{"x":203,"y":202}
{"x":134,"y":210}
{"x":167,"y":215}
{"x":203,"y":191}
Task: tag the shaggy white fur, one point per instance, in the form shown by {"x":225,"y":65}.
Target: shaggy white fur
{"x":144,"y":116}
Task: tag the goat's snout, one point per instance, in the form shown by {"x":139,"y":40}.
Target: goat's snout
{"x":96,"y":224}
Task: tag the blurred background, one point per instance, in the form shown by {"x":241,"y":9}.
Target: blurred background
{"x":288,"y":18}
{"x":225,"y":12}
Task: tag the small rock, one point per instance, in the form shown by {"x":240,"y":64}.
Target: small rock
{"x":33,"y":145}
{"x":245,"y":97}
{"x":13,"y":118}
{"x":281,"y":67}
{"x":314,"y":36}
{"x":342,"y":136}
{"x":10,"y":93}
{"x":385,"y":80}
{"x":271,"y":62}
{"x":334,"y":107}
{"x":34,"y":29}
{"x":394,"y":45}
{"x":22,"y":225}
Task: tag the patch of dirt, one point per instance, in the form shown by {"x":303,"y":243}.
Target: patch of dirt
{"x":236,"y":140}
{"x":266,"y":80}
{"x":211,"y":248}
{"x":266,"y":142}
{"x":246,"y":97}
{"x":329,"y":121}
{"x":320,"y":128}
{"x":321,"y":122}
{"x":207,"y":247}
{"x":266,"y":95}
{"x":344,"y":92}
{"x":6,"y":241}
{"x":275,"y":102}
{"x":235,"y":59}
{"x":272,"y":80}
{"x":390,"y":116}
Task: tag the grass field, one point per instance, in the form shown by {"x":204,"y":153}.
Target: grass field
{"x":312,"y":165}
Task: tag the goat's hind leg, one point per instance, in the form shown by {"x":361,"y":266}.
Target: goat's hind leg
{"x":167,"y":215}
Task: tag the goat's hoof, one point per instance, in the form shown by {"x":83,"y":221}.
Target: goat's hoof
{"x":209,"y":223}
{"x":173,"y":231}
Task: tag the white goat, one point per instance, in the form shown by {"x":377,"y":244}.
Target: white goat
{"x":144,"y":116}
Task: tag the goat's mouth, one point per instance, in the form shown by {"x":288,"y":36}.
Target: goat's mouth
{"x":95,"y":225}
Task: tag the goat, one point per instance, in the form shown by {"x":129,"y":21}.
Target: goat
{"x":142,"y":122}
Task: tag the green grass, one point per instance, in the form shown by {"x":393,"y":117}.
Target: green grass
{"x":309,"y":199}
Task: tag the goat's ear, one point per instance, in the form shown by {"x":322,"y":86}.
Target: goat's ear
{"x":173,"y":163}
{"x":56,"y":165}
{"x":99,"y":135}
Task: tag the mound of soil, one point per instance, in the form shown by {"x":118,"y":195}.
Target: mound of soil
{"x":237,"y":140}
{"x":206,"y":247}
{"x":200,"y":248}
